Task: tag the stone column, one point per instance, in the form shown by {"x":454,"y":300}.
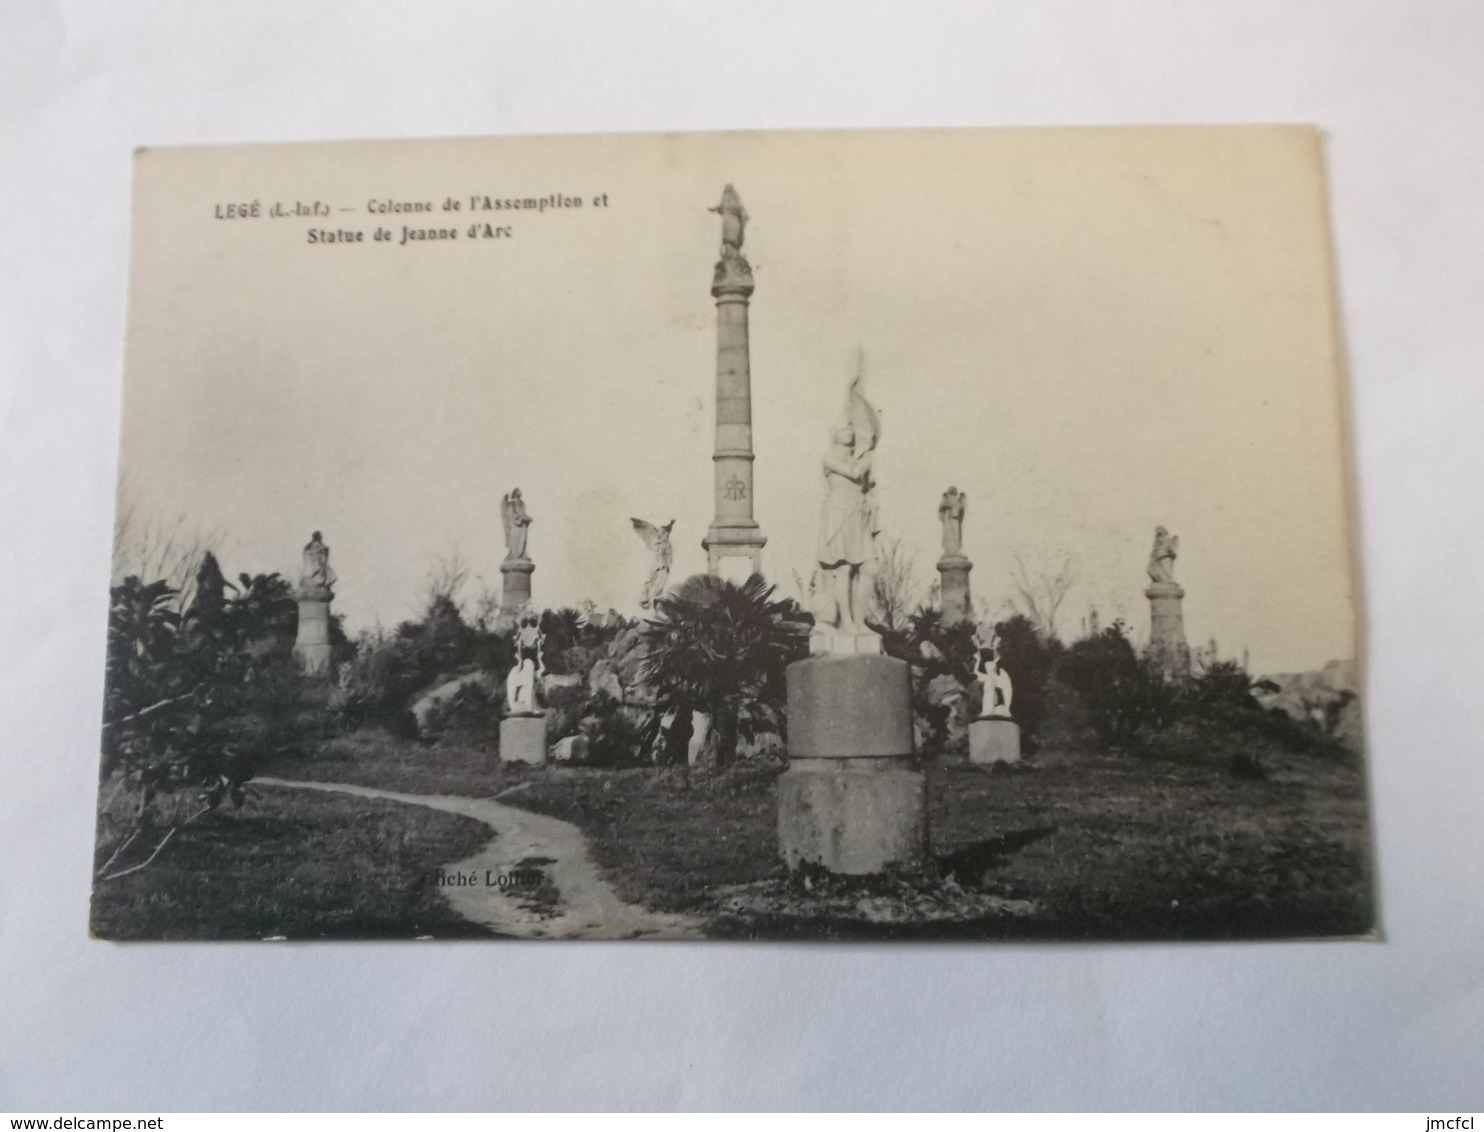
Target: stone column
{"x":312,"y":641}
{"x":1167,"y":646}
{"x":956,"y":603}
{"x":853,"y":799}
{"x":515,"y":591}
{"x":734,"y":541}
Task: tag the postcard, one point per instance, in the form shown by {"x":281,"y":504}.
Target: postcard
{"x":904,"y":535}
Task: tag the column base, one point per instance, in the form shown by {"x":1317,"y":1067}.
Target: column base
{"x":855,"y":821}
{"x":994,"y":741}
{"x":312,"y":638}
{"x":523,"y":739}
{"x":953,"y":589}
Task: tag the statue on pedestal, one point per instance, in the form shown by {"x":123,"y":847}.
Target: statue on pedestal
{"x":998,"y":691}
{"x":951,"y":515}
{"x":849,"y":523}
{"x":517,"y":525}
{"x":316,"y":579}
{"x":522,"y":685}
{"x":657,"y":539}
{"x":733,"y":223}
{"x":1162,"y":556}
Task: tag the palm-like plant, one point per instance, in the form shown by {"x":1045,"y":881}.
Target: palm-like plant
{"x":721,"y":648}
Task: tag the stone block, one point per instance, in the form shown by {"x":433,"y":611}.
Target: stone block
{"x":857,"y":816}
{"x":849,"y":707}
{"x":953,"y":589}
{"x":312,"y":640}
{"x":523,"y":739}
{"x":994,"y":741}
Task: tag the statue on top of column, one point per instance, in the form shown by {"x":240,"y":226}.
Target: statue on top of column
{"x":951,"y":515}
{"x":1162,"y":556}
{"x":517,"y":524}
{"x":315,"y":576}
{"x":733,"y":223}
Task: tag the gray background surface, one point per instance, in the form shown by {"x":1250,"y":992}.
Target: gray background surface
{"x":90,"y":1026}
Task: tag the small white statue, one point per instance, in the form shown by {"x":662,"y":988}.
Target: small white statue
{"x":662,"y":556}
{"x":998,"y":692}
{"x":530,"y":667}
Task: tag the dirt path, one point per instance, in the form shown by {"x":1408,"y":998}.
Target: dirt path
{"x":583,"y":906}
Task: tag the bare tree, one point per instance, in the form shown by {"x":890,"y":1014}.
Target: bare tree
{"x":446,"y":580}
{"x":895,"y":589}
{"x":1040,"y":589}
{"x":152,"y":548}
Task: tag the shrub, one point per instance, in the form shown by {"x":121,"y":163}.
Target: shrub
{"x":192,"y":700}
{"x":470,"y":717}
{"x":1120,"y":690}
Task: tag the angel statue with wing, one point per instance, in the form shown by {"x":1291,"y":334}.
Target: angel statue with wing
{"x":662,"y":556}
{"x":517,"y":524}
{"x":848,"y":523}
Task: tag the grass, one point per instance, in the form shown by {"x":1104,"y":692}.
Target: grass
{"x":1108,"y":847}
{"x":1137,"y":845}
{"x":299,"y":865}
{"x":375,"y":758}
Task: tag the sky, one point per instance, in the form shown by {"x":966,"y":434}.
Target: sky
{"x":1090,"y":332}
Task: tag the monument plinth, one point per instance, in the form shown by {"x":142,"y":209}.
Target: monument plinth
{"x":515,"y":589}
{"x":1167,"y":646}
{"x":523,"y":739}
{"x":734,"y":541}
{"x":312,"y":641}
{"x":852,"y":800}
{"x":314,"y":594}
{"x":953,"y":589}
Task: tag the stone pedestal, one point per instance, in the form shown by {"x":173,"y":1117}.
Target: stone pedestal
{"x":957,"y":605}
{"x":994,"y":741}
{"x":852,"y":799}
{"x":1167,"y":646}
{"x":312,"y":641}
{"x":523,"y":739}
{"x":515,"y":593}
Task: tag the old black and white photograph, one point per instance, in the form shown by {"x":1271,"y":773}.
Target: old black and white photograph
{"x":879,"y":535}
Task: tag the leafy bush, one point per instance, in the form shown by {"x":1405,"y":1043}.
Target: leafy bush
{"x":617,"y":736}
{"x":1121,"y":691}
{"x":389,"y":670}
{"x":192,"y":700}
{"x":470,"y":717}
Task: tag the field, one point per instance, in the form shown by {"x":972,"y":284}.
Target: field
{"x":1085,"y":846}
{"x":299,"y":866}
